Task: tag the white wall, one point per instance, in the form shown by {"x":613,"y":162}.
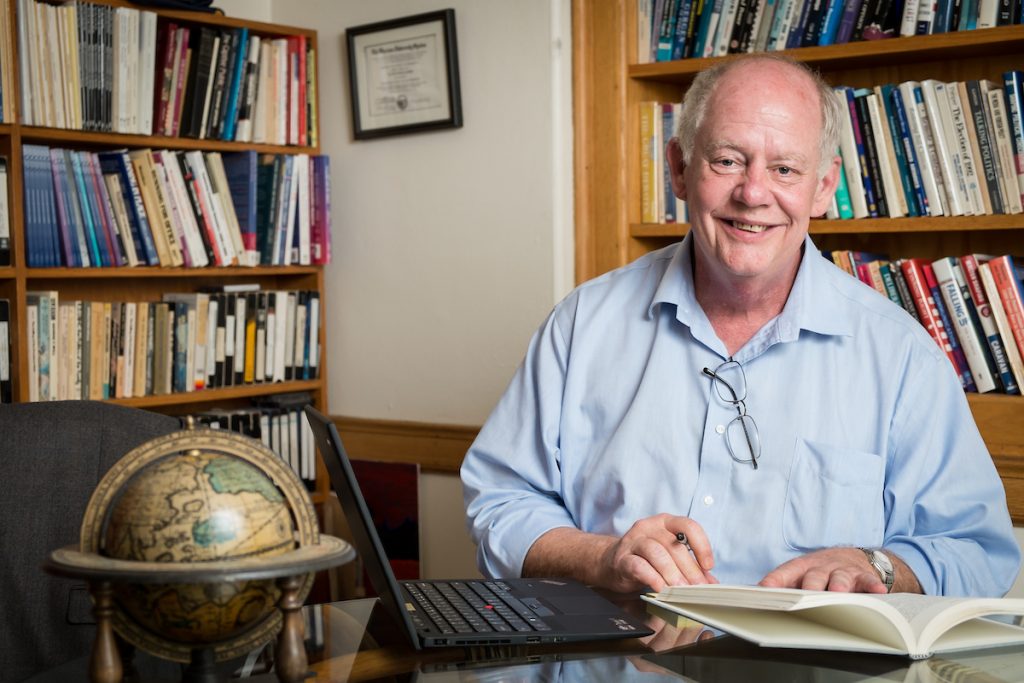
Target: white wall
{"x":451,"y":246}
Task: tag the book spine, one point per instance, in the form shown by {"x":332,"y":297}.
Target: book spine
{"x":940,"y":291}
{"x":862,"y":156}
{"x":1004,"y":273}
{"x":984,"y":319}
{"x":985,"y":144}
{"x":1002,"y":323}
{"x":1013,"y":85}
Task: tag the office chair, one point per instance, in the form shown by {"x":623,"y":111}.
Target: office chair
{"x":52,"y":456}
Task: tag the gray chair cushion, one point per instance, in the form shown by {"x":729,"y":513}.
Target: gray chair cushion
{"x":52,"y":455}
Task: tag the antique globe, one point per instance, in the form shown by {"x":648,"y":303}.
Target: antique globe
{"x":199,"y":496}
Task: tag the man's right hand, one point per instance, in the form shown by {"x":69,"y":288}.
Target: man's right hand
{"x":648,"y":555}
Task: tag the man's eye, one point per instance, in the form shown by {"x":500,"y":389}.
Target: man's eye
{"x":785,"y":170}
{"x":727,"y":163}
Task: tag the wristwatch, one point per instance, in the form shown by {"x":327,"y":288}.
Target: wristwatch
{"x":883,"y":565}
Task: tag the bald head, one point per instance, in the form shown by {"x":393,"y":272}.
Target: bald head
{"x":750,"y":70}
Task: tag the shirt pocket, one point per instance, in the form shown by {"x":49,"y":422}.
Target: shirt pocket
{"x":834,"y":498}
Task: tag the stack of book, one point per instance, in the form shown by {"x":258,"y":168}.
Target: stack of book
{"x":186,"y":342}
{"x":119,"y":69}
{"x":972,"y":306}
{"x":174,"y":208}
{"x":932,"y":148}
{"x":678,"y":29}
{"x":280,"y":423}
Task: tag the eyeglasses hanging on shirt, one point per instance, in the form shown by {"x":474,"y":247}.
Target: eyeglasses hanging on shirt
{"x":741,"y":435}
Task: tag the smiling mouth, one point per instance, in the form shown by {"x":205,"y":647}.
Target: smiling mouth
{"x":748,"y":227}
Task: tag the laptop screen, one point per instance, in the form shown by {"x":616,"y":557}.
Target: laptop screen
{"x":364,"y":533}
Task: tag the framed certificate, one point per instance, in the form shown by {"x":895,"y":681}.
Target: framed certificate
{"x":404,"y":75}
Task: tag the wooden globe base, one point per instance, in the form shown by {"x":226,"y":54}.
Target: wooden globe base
{"x":290,"y":662}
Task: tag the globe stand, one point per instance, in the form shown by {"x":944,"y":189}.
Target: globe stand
{"x":289,"y":571}
{"x":202,"y":668}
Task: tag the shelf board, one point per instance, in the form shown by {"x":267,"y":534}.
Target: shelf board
{"x":999,"y":40}
{"x":57,"y":136}
{"x":928,"y":224}
{"x":160,"y":272}
{"x":222,"y":394}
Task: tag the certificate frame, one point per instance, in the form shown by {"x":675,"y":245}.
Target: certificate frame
{"x":404,"y":75}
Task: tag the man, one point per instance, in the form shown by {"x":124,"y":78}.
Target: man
{"x":735,"y":408}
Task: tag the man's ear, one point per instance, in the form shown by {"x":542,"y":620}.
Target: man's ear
{"x":827,"y":187}
{"x":676,"y":166}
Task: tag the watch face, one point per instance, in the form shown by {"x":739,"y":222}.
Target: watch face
{"x":883,"y":561}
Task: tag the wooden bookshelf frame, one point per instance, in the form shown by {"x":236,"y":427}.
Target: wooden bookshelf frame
{"x":608,"y":86}
{"x":147,"y":283}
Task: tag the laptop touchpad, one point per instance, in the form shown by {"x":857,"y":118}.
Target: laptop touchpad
{"x":581,"y":605}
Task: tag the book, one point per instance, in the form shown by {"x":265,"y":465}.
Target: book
{"x":984,"y":317}
{"x":916,"y":626}
{"x":1011,"y":294}
{"x":1013,"y":354}
{"x":971,"y":337}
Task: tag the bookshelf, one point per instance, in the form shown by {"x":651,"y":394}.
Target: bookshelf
{"x":149,"y":283}
{"x":609,"y":85}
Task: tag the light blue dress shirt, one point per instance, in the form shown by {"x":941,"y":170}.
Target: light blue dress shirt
{"x":867,"y":437}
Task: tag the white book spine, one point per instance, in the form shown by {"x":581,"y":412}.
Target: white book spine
{"x":1013,"y":356}
{"x":1004,"y":150}
{"x":953,"y":201}
{"x":890,"y":184}
{"x":925,"y":152}
{"x":955,"y":151}
{"x":969,"y":337}
{"x":972,"y":182}
{"x":724,"y":30}
{"x":908,"y":22}
{"x":988,"y":13}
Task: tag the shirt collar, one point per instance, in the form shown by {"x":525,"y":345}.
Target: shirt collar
{"x":805,"y":309}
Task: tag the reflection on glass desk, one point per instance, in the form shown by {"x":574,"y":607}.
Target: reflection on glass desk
{"x":352,"y":641}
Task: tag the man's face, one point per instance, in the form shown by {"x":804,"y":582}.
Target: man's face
{"x":752,"y":182}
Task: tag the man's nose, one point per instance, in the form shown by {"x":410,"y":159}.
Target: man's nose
{"x":752,"y":189}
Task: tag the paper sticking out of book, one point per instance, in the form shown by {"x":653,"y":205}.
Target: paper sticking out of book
{"x":899,"y":623}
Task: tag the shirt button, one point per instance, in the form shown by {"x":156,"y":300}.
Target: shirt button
{"x":720,"y":429}
{"x":709,"y":500}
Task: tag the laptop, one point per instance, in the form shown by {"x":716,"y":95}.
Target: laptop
{"x":438,"y":613}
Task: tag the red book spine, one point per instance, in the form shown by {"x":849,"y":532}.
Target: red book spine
{"x":914,"y":275}
{"x":1005,"y":276}
{"x":165,"y":74}
{"x":179,"y":88}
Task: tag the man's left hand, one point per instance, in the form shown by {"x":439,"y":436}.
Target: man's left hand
{"x":844,"y":570}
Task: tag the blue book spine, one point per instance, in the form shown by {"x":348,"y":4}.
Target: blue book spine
{"x":77,"y":220}
{"x":682,"y":24}
{"x":902,"y":168}
{"x":1013,"y":87}
{"x":943,"y":16}
{"x":30,"y":154}
{"x":778,"y":19}
{"x":796,"y":31}
{"x":711,"y":9}
{"x":667,"y":31}
{"x":231,"y":113}
{"x":830,"y":22}
{"x":96,"y":255}
{"x":913,"y":165}
{"x":240,"y":169}
{"x":68,"y":237}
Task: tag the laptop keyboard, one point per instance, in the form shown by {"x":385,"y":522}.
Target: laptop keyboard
{"x":471,"y":607}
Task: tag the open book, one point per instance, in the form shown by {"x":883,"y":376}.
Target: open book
{"x":898,"y":623}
